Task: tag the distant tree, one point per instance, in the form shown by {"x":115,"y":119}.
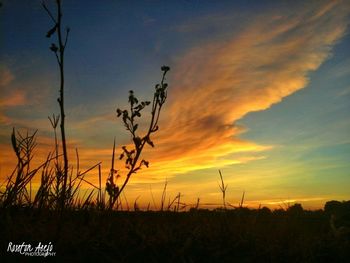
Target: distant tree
{"x":341,"y":210}
{"x":295,"y":209}
{"x":264,"y":211}
{"x":332,"y":207}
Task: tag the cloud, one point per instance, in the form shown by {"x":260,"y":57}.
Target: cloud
{"x":16,"y":98}
{"x":24,"y":93}
{"x":11,"y":99}
{"x":5,"y":76}
{"x":215,"y":84}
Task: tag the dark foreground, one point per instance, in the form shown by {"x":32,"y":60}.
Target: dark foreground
{"x":239,"y":235}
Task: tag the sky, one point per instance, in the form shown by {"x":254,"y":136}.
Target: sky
{"x":257,"y":89}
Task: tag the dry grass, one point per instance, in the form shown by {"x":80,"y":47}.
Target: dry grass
{"x":239,"y":235}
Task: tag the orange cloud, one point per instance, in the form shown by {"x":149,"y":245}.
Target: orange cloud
{"x":5,"y":76}
{"x":216,"y":84}
{"x":16,"y":98}
{"x":30,"y":91}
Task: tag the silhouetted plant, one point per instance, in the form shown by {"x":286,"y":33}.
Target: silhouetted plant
{"x":223,"y":188}
{"x":154,"y":202}
{"x":16,"y":192}
{"x":43,"y":197}
{"x":58,"y":49}
{"x":162,"y":201}
{"x":177,"y":203}
{"x":132,"y":157}
{"x":197,"y":204}
{"x":242,"y":200}
{"x":54,"y":122}
{"x":136,"y":206}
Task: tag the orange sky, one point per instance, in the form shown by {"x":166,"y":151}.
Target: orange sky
{"x":214,"y":83}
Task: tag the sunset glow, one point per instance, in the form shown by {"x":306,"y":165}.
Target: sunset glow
{"x":259,"y":91}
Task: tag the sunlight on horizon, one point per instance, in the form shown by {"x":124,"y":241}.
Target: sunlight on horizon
{"x":264,"y":98}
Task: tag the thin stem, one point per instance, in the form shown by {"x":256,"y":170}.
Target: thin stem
{"x":60,"y":60}
{"x":49,"y":13}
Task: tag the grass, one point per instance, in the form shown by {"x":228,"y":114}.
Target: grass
{"x":236,"y":235}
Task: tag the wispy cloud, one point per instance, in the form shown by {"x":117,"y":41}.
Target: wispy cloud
{"x":14,"y":99}
{"x":8,"y":99}
{"x":24,"y":93}
{"x":5,"y":76}
{"x":216,"y":84}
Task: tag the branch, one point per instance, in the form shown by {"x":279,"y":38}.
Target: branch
{"x":49,"y":12}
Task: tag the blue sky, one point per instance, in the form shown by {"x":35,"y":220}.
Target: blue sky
{"x":258,"y":89}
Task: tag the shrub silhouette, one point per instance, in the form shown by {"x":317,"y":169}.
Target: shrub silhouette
{"x":333,"y":207}
{"x":132,"y":156}
{"x":295,"y":209}
{"x":16,"y":192}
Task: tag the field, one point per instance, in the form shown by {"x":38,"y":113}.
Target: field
{"x":239,"y":235}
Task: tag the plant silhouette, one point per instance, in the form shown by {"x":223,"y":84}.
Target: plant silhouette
{"x":132,"y":156}
{"x":223,"y":189}
{"x":58,"y":49}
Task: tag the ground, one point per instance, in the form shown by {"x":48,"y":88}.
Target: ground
{"x":239,"y":235}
